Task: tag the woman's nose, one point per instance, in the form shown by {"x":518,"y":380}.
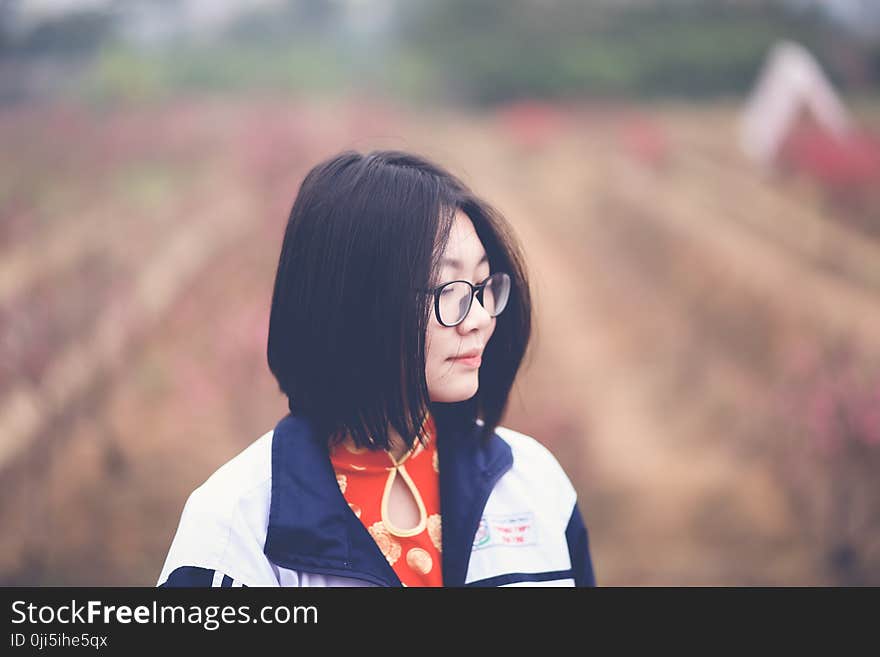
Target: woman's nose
{"x":477,"y":317}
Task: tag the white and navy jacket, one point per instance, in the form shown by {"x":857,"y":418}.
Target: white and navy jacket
{"x":275,"y":516}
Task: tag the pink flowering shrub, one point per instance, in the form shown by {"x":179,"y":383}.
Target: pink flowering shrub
{"x":828,"y":458}
{"x":530,"y":124}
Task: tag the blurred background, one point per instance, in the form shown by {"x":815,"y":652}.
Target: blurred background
{"x":696,"y":185}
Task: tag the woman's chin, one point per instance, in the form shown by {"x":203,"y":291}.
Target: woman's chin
{"x":459,"y":391}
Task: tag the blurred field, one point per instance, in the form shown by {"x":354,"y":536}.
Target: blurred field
{"x":706,"y":364}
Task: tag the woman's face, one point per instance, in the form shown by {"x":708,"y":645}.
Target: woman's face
{"x":451,"y":378}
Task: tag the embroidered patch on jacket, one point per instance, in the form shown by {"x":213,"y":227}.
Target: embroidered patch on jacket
{"x":511,"y":530}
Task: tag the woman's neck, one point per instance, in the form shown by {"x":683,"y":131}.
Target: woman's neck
{"x":397,"y":447}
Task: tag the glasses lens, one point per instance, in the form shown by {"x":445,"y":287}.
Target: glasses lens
{"x":454,"y":300}
{"x":496,"y":293}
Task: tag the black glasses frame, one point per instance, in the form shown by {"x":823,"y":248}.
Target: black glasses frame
{"x":475,"y":290}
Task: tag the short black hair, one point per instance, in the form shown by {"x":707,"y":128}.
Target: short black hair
{"x":348,"y":320}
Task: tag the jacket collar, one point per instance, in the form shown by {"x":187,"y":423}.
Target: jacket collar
{"x":311,"y":527}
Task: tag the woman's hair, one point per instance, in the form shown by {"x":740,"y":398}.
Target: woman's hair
{"x":349,"y":308}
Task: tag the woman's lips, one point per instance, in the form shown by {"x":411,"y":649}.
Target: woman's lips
{"x":470,"y":361}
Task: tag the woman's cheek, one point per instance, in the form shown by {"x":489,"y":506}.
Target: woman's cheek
{"x":490,"y":330}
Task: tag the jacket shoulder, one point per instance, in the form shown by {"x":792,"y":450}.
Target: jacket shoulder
{"x":530,"y":454}
{"x":223,"y":523}
{"x":236,"y":479}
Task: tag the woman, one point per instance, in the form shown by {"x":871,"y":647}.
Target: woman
{"x":400,"y":316}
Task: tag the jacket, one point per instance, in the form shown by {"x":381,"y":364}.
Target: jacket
{"x":274,"y":516}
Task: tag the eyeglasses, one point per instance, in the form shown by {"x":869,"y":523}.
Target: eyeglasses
{"x":453,"y":300}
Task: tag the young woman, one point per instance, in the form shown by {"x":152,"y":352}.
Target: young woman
{"x":400,"y":316}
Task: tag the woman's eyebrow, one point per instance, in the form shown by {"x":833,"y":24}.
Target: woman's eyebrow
{"x":457,"y":263}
